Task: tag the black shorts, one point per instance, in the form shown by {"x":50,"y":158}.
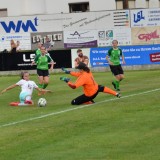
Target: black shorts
{"x":83,"y":98}
{"x":44,"y":73}
{"x":116,"y":70}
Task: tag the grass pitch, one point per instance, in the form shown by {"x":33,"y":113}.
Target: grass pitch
{"x":111,"y":129}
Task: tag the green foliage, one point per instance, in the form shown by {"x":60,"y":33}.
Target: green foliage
{"x":121,"y":129}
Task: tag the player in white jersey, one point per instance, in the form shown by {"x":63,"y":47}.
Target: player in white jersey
{"x":27,"y":87}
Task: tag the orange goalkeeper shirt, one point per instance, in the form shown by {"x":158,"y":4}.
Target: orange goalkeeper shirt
{"x":86,"y":80}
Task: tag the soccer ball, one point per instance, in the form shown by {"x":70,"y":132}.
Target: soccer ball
{"x":42,"y":102}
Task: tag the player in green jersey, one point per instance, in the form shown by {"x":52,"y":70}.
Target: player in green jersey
{"x":113,"y":59}
{"x":42,"y":61}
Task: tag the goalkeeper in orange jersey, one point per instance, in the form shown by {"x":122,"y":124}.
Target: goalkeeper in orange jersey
{"x":90,"y":86}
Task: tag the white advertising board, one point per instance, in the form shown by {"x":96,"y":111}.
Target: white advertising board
{"x":24,"y":39}
{"x":64,"y":22}
{"x":79,"y":39}
{"x":85,"y":51}
{"x":145,"y":17}
{"x":106,"y":36}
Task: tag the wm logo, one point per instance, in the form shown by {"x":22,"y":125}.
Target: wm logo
{"x":25,"y":26}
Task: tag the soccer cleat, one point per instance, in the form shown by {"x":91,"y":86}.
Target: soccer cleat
{"x":14,"y":104}
{"x":92,"y":101}
{"x":28,"y":102}
{"x":118,"y":95}
{"x":89,"y":102}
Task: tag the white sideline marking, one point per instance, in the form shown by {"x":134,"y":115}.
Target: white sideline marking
{"x":77,"y":107}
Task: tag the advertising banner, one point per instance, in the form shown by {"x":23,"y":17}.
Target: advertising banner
{"x":96,"y":20}
{"x":121,"y":18}
{"x":105,"y":37}
{"x":23,"y":60}
{"x":61,"y":22}
{"x":55,"y":38}
{"x":28,"y":24}
{"x":134,"y":55}
{"x":24,"y":41}
{"x":85,"y":51}
{"x":98,"y":57}
{"x":145,"y":17}
{"x":79,"y":21}
{"x":80,"y":39}
{"x":146,"y":35}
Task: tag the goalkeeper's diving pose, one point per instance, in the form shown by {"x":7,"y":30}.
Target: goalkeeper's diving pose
{"x":90,"y":86}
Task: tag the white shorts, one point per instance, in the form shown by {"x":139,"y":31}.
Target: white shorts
{"x":24,"y":96}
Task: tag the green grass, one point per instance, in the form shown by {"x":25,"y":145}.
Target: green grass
{"x":122,"y":129}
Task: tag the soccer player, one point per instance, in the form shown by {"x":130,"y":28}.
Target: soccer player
{"x":113,"y":59}
{"x":27,"y":87}
{"x":90,"y":86}
{"x":42,"y":61}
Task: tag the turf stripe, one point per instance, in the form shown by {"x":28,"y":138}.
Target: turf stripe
{"x":75,"y":108}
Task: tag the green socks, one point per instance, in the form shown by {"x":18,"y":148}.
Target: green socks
{"x":45,"y":85}
{"x":40,"y":85}
{"x":116,"y":84}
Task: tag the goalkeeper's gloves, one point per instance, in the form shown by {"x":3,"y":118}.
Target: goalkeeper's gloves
{"x":65,"y":70}
{"x":65,"y":79}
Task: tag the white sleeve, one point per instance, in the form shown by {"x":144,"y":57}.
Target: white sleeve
{"x":19,"y":83}
{"x":34,"y":85}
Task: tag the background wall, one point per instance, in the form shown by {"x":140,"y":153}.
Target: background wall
{"x":28,"y":7}
{"x":31,"y":7}
{"x":11,"y":8}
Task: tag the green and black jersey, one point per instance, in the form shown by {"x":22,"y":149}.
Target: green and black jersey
{"x":42,"y":61}
{"x":115,"y":55}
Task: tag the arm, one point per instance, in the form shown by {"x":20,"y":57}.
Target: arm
{"x":50,"y":60}
{"x":52,"y":65}
{"x":43,"y":90}
{"x":79,"y":82}
{"x":108,"y":59}
{"x":70,"y":84}
{"x":35,"y":59}
{"x":33,"y":63}
{"x":123,"y":60}
{"x":76,"y":74}
{"x":10,"y":87}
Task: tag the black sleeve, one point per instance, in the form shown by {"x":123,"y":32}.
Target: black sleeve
{"x":120,"y":52}
{"x":109,"y":52}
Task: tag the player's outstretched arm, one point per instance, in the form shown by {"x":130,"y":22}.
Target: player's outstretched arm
{"x":52,"y":65}
{"x":8,"y":88}
{"x":44,"y":90}
{"x":65,"y":70}
{"x":65,"y":79}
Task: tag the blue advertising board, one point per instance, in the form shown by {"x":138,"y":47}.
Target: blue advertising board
{"x":134,"y":55}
